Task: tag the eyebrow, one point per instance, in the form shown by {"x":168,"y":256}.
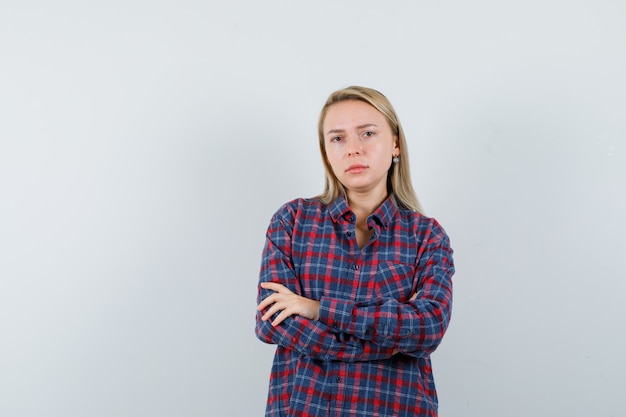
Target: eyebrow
{"x":358,"y":127}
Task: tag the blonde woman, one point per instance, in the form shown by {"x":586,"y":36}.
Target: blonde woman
{"x":355,"y":285}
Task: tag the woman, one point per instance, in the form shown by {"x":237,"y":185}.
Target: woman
{"x":355,"y":284}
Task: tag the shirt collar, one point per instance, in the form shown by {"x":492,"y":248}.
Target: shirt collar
{"x":338,"y":208}
{"x":383,"y":215}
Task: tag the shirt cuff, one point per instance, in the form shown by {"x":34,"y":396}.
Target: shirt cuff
{"x":336,"y":313}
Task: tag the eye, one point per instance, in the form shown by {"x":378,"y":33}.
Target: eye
{"x":335,"y":139}
{"x":368,"y":134}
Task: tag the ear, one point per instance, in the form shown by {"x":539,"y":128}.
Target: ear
{"x":396,"y":148}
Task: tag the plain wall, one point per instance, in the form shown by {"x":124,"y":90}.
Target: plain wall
{"x":144,"y":146}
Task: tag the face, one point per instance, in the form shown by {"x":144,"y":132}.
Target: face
{"x":359,"y":146}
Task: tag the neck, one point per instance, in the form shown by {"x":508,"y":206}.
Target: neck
{"x":364,"y":204}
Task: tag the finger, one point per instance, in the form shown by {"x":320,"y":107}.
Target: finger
{"x":275,"y":296}
{"x":274,"y":286}
{"x":281,"y":317}
{"x":270,"y":299}
{"x":275,"y":308}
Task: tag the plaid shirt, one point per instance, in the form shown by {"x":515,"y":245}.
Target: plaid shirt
{"x":368,"y":354}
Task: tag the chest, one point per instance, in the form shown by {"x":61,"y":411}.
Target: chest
{"x":329,"y":262}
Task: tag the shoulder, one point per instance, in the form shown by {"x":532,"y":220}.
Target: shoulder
{"x":426,"y":228}
{"x":299,"y":209}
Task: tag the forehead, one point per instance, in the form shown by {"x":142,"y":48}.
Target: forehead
{"x":351,"y":113}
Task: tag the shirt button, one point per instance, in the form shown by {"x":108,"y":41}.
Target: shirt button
{"x":355,"y":267}
{"x":348,"y":233}
{"x":338,"y":379}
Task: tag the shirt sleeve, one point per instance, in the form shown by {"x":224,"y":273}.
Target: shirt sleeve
{"x":309,"y":337}
{"x":413,"y":327}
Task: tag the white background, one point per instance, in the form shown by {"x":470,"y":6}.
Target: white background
{"x":144,"y":146}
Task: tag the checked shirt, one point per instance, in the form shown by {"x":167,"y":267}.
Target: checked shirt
{"x":368,"y":354}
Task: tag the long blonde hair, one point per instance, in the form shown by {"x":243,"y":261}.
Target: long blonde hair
{"x":399,"y":178}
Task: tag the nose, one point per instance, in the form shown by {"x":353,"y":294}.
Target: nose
{"x":353,"y":146}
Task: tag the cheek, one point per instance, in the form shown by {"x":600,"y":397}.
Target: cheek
{"x":333,"y":157}
{"x":336,"y":167}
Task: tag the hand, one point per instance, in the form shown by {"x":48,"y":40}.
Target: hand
{"x":289,"y":302}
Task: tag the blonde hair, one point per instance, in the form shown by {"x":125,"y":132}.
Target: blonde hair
{"x":399,"y":178}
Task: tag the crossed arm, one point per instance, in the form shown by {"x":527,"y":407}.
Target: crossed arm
{"x":335,"y":329}
{"x":289,"y":304}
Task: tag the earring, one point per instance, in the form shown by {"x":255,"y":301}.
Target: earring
{"x":395,"y":159}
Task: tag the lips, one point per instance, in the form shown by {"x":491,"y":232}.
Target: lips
{"x":356,"y":168}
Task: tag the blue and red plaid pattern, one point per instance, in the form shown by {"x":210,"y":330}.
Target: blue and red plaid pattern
{"x":368,"y":354}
